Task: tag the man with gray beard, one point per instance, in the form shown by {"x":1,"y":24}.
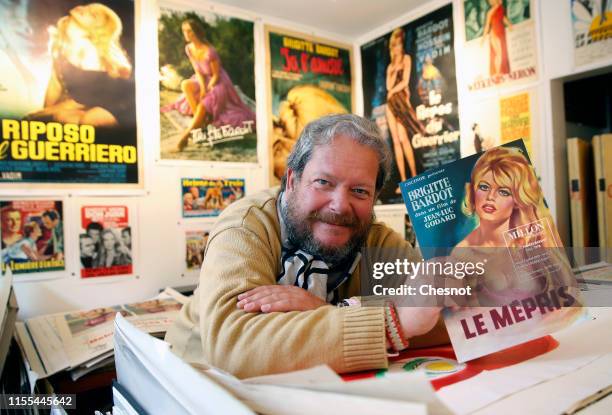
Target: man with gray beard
{"x":279,"y":263}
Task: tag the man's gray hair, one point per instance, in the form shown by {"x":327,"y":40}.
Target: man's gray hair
{"x":322,"y":131}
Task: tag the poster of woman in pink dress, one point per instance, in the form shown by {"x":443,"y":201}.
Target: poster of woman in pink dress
{"x":206,"y":111}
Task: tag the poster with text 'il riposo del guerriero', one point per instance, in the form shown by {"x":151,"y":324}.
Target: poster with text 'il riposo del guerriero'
{"x":67,"y":93}
{"x":410,"y":91}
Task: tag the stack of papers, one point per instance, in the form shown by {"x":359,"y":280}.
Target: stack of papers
{"x":163,"y":383}
{"x":82,"y":341}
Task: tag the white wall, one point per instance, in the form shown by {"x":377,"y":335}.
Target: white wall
{"x":159,"y":259}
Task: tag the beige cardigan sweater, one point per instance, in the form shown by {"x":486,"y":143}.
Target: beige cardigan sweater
{"x":243,"y":252}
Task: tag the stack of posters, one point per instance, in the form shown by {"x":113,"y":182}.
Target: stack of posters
{"x":80,"y":340}
{"x":487,"y":214}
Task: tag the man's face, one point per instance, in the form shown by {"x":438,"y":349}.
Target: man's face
{"x":48,"y":222}
{"x":87,"y":247}
{"x":329,"y":208}
{"x":12,"y":220}
{"x":95,"y":235}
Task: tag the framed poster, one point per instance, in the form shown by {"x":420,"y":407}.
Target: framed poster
{"x":500,"y":43}
{"x":410,"y":90}
{"x":32,"y":236}
{"x":592,"y":30}
{"x":499,"y":120}
{"x":202,"y":197}
{"x":106,"y":242}
{"x":195,"y":246}
{"x":67,"y":93}
{"x":308,"y":78}
{"x":207,"y":86}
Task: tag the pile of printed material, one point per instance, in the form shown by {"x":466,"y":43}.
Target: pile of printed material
{"x":82,"y":341}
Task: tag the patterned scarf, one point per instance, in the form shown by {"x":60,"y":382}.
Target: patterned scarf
{"x":303,"y":270}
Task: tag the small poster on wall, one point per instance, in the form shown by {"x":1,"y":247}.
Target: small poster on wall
{"x":67,"y":92}
{"x":207,"y":86}
{"x":308,"y":78}
{"x":592,"y":28}
{"x":410,"y":90}
{"x":203,"y":197}
{"x":500,"y":43}
{"x":32,"y":236}
{"x":496,"y":121}
{"x":195,"y":244}
{"x":105,"y":241}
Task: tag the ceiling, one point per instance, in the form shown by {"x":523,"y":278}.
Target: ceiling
{"x":349,"y":18}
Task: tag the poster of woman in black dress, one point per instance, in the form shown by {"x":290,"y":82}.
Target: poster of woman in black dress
{"x":410,"y":91}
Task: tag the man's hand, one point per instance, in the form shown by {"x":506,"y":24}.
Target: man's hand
{"x":269,"y":298}
{"x":417,"y":320}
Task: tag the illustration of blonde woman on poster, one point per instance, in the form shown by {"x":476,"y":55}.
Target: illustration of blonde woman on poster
{"x":495,"y":27}
{"x":504,"y":195}
{"x":401,"y":117}
{"x":88,"y":67}
{"x":209,"y":96}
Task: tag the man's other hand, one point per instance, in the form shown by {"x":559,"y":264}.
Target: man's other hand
{"x":416,"y":321}
{"x":269,"y":298}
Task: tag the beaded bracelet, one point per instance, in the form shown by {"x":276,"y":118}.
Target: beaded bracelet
{"x":393,"y":329}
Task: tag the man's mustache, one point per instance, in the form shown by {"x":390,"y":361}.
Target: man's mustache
{"x":333,"y":218}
